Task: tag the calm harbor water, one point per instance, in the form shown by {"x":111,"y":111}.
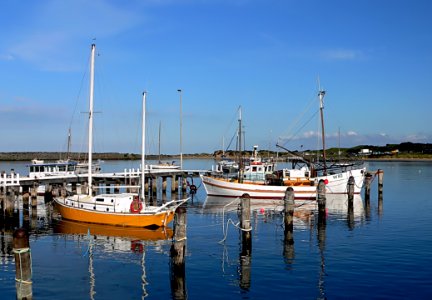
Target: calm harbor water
{"x":376,"y":253}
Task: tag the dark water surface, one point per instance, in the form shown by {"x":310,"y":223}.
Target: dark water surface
{"x":376,"y":253}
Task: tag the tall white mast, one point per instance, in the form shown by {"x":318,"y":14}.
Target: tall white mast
{"x":90,"y":133}
{"x":321,"y":94}
{"x":143,"y":148}
{"x":181,"y":137}
{"x":240,"y":154}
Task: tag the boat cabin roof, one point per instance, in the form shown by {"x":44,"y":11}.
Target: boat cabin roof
{"x":53,"y":164}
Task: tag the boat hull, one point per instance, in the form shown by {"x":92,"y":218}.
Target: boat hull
{"x":116,"y":219}
{"x":336,"y":184}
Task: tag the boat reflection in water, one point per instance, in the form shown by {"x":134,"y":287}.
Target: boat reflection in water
{"x":106,"y":239}
{"x":335,"y":204}
{"x":259,"y":207}
{"x":339,"y":206}
{"x":115,"y":238}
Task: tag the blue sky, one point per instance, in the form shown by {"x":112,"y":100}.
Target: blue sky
{"x":373,"y":58}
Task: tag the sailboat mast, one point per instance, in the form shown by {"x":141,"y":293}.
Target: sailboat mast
{"x":159,"y":141}
{"x":68,"y":156}
{"x":90,"y":129}
{"x":321,"y":94}
{"x":143,"y":148}
{"x":240,"y":147}
{"x":181,"y":125}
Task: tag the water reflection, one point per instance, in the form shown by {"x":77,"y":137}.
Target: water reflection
{"x":126,"y":235}
{"x":113,"y":239}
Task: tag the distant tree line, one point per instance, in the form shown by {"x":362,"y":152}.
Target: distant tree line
{"x":389,"y":149}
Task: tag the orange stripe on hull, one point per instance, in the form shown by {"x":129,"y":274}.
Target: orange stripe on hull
{"x":116,"y":219}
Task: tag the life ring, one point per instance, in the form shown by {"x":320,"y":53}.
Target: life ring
{"x":137,"y":246}
{"x":133,"y":207}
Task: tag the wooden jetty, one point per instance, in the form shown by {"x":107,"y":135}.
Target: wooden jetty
{"x":129,"y":179}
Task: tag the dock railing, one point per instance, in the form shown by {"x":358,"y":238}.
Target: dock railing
{"x":12,"y":179}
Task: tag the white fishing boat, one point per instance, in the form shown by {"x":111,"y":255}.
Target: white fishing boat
{"x":304,"y":181}
{"x":123,"y":209}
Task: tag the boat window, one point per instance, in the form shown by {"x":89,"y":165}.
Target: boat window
{"x":100,"y":199}
{"x":32,"y":169}
{"x":254,"y":169}
{"x":70,"y":168}
{"x":62,"y":168}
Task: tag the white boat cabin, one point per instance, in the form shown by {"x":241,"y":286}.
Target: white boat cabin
{"x":40,"y":169}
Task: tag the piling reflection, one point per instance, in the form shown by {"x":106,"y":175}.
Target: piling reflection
{"x":321,"y":238}
{"x":339,"y":206}
{"x":245,"y":260}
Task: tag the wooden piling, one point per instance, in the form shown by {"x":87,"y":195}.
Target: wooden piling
{"x":33,"y":194}
{"x":246,"y":236}
{"x":154,"y":185}
{"x":9,"y":206}
{"x":321,"y":199}
{"x":177,"y":253}
{"x":380,"y":174}
{"x":380,"y":191}
{"x":288,"y":250}
{"x":164,"y":184}
{"x":367,"y":183}
{"x":184,"y":184}
{"x":146,"y":185}
{"x":25,"y":199}
{"x":289,"y":209}
{"x":245,"y":223}
{"x":173,"y":184}
{"x":23,"y":270}
{"x":350,"y":191}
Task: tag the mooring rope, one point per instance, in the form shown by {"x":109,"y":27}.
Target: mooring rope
{"x":225,"y":232}
{"x":19,"y":252}
{"x":89,"y":244}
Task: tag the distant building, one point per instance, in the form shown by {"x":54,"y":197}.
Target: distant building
{"x":365,"y":151}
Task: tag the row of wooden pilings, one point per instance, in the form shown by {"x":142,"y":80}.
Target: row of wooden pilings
{"x":178,"y":184}
{"x":369,"y":177}
{"x":289,"y":204}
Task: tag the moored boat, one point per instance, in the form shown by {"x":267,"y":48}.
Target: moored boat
{"x":122,"y":209}
{"x":303,"y":180}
